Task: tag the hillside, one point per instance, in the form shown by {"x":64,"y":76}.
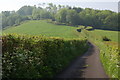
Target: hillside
{"x":41,"y":27}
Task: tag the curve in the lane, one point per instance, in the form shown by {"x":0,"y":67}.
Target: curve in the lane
{"x":86,"y":66}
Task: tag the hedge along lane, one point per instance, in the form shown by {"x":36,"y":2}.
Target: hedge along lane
{"x":38,"y":57}
{"x":86,"y":66}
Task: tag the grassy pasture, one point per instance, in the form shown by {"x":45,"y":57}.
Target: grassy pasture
{"x":98,"y":34}
{"x":113,"y":35}
{"x":41,"y":27}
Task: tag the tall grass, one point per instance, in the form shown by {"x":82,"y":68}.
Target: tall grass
{"x":109,"y":57}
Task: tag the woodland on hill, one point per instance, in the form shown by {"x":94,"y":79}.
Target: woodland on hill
{"x":67,"y":15}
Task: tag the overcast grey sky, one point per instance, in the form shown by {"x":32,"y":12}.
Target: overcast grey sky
{"x":96,"y":4}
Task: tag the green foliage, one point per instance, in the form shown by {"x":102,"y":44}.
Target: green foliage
{"x":68,"y":16}
{"x":110,"y":59}
{"x":11,"y":19}
{"x":27,"y":56}
{"x":25,"y":10}
{"x":102,"y":19}
{"x":80,"y":28}
{"x":89,"y":27}
{"x":61,"y":15}
{"x":36,"y":13}
{"x":78,"y":9}
{"x":106,"y":39}
{"x":72,"y":17}
{"x":39,"y":13}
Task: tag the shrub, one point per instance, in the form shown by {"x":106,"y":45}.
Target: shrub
{"x":106,"y":39}
{"x":89,"y":28}
{"x":79,"y":30}
{"x":38,"y":57}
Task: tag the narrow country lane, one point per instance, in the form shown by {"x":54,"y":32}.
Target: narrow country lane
{"x":86,"y":66}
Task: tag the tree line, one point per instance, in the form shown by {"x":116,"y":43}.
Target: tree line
{"x":73,"y":16}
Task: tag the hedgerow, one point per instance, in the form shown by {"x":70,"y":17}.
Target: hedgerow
{"x":110,"y":59}
{"x":38,"y":57}
{"x":109,"y":53}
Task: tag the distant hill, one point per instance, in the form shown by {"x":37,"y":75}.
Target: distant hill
{"x":41,"y":27}
{"x":73,"y":16}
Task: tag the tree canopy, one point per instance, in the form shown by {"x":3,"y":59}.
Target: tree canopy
{"x":74,"y":16}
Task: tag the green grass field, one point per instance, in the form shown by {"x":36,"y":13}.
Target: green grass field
{"x":113,"y":35}
{"x":99,"y":34}
{"x":41,"y":27}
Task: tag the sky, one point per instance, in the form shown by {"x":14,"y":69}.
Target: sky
{"x":10,"y":5}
